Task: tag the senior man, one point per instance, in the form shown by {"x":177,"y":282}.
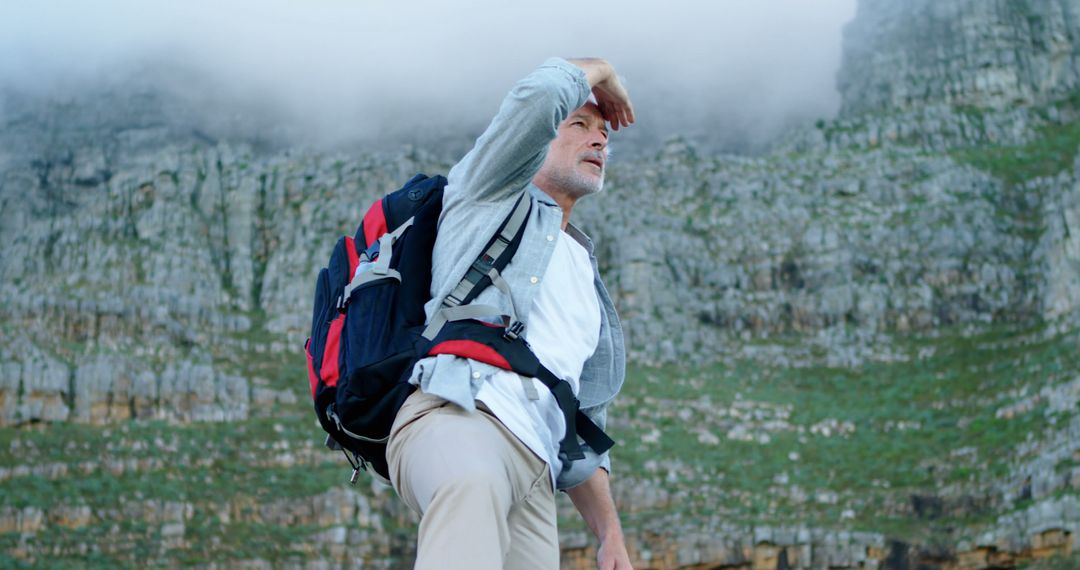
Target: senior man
{"x":475,"y":451}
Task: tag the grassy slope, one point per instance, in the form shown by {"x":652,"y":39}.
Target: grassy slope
{"x":870,"y":471}
{"x":952,"y":438}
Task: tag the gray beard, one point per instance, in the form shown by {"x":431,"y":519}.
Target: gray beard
{"x":576,"y":184}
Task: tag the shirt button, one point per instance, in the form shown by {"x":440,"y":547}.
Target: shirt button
{"x":476,"y":375}
{"x":551,"y":238}
{"x":534,"y":280}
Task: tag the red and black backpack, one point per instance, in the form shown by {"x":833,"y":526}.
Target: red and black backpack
{"x":368,"y":324}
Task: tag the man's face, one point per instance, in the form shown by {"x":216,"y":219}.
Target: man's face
{"x":576,"y":158}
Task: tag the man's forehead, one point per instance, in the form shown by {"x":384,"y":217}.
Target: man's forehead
{"x":590,"y":112}
{"x":589,"y":109}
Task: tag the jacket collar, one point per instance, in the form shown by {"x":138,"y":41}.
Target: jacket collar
{"x":580,"y":237}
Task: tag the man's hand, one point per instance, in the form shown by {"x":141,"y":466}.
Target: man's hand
{"x":611,"y":96}
{"x":593,"y":500}
{"x":612,"y":555}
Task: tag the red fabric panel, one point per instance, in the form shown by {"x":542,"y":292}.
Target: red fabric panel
{"x":312,"y":378}
{"x":329,"y":370}
{"x":354,"y":258}
{"x":471,"y":349}
{"x":374,"y":223}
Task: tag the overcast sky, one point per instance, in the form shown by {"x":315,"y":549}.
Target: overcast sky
{"x":345,"y":69}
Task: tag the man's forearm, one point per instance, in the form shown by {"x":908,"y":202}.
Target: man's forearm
{"x":593,"y":500}
{"x":596,"y":70}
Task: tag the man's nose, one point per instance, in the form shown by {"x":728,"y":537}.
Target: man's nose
{"x":598,"y":142}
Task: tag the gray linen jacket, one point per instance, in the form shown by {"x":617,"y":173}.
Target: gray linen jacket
{"x":482,"y":189}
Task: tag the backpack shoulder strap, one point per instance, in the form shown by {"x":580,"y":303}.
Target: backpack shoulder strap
{"x":504,"y":242}
{"x":485,"y":271}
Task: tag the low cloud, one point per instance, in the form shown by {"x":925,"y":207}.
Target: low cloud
{"x":734,"y":71}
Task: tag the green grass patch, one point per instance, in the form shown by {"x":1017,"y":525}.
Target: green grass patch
{"x":127,"y":544}
{"x":283,"y":369}
{"x":1056,"y":562}
{"x":117,"y":545}
{"x":239,"y":541}
{"x":221,"y":480}
{"x":1053,"y":151}
{"x":183,"y":463}
{"x":74,"y":443}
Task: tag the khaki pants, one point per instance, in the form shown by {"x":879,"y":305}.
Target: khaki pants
{"x":485,"y":499}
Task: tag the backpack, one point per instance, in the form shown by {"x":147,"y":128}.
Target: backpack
{"x":368,"y":325}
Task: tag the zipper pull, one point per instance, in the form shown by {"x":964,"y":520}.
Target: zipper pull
{"x":357,"y":465}
{"x":333,"y":416}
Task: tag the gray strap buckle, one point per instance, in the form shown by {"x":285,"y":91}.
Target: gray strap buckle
{"x":451,"y":314}
{"x":485,"y":262}
{"x":386,"y":247}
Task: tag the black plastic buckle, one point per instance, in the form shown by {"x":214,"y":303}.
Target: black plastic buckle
{"x":372,"y":252}
{"x":513,"y":332}
{"x":483,"y":264}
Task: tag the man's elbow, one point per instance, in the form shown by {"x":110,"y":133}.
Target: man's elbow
{"x":557,"y":86}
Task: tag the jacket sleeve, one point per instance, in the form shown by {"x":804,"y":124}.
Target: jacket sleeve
{"x":513,"y":147}
{"x":582,"y":469}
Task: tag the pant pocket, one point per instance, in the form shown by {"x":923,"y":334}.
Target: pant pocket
{"x":418,"y":405}
{"x":541,"y":486}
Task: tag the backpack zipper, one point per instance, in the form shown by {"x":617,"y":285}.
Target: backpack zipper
{"x":357,"y":464}
{"x":337,"y":421}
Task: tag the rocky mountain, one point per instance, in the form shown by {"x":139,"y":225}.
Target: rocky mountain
{"x":916,"y":259}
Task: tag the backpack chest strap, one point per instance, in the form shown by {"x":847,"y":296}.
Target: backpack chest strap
{"x":489,"y":344}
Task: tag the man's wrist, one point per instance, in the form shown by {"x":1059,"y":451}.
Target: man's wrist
{"x":613,"y":536}
{"x":596,"y":70}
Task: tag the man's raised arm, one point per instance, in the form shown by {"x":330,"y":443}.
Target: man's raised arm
{"x":513,"y":147}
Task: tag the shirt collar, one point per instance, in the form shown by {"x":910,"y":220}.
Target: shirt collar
{"x":541,"y":196}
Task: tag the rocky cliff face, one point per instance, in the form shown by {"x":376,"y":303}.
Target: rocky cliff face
{"x":156,"y":272}
{"x":730,"y":252}
{"x":997,"y":54}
